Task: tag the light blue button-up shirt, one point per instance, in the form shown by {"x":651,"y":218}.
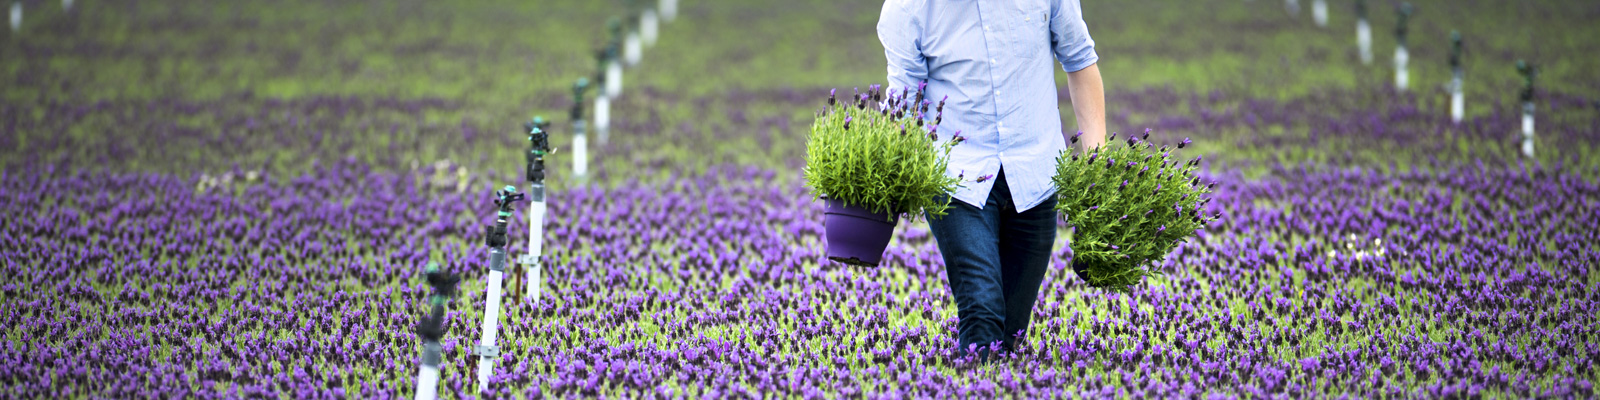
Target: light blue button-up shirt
{"x":992,"y":57}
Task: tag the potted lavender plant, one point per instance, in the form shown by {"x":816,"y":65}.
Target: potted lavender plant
{"x":1128,"y":204}
{"x":874,"y":157}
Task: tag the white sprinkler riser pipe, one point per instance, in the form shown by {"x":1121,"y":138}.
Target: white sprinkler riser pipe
{"x":1364,"y":40}
{"x":1527,"y":129}
{"x":632,"y":49}
{"x":580,"y":155}
{"x":1457,"y":102}
{"x":491,"y":324}
{"x":1402,"y":77}
{"x":602,"y":118}
{"x":602,"y":113}
{"x":1319,"y":13}
{"x":1292,"y":6}
{"x":66,"y":5}
{"x":536,"y":210}
{"x":613,"y":79}
{"x":16,"y":16}
{"x":427,"y":383}
{"x":669,"y":10}
{"x":649,"y":26}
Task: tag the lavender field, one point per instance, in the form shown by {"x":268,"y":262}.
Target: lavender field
{"x":231,"y":199}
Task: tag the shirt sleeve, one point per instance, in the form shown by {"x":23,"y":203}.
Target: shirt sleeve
{"x":901,"y":33}
{"x":1069,"y":36}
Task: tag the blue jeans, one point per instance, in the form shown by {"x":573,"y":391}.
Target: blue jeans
{"x":995,"y":258}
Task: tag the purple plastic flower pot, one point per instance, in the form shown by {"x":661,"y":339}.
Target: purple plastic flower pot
{"x":856,"y":236}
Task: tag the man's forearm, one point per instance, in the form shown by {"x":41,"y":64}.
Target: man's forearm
{"x":1089,"y":104}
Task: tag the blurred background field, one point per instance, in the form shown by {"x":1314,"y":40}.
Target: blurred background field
{"x":195,"y":187}
{"x":481,"y":66}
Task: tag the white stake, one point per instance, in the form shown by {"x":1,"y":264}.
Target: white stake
{"x":648,"y":26}
{"x":1364,"y":40}
{"x":487,"y":351}
{"x":1401,"y":77}
{"x":669,"y":10}
{"x":613,"y":78}
{"x":1319,"y":13}
{"x":1457,"y":106}
{"x":632,"y":49}
{"x":66,"y":5}
{"x":16,"y":16}
{"x":602,"y":117}
{"x":580,"y":140}
{"x":1457,"y":103}
{"x":530,"y":261}
{"x":1292,"y":6}
{"x":428,"y":376}
{"x":1527,"y":129}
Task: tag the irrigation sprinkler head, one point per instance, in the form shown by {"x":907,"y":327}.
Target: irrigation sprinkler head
{"x":432,"y":327}
{"x":538,"y":123}
{"x":505,"y":197}
{"x":614,"y":25}
{"x":1455,"y":49}
{"x":1529,"y":72}
{"x":1400,"y":28}
{"x":538,"y":147}
{"x":495,"y":234}
{"x":604,"y":56}
{"x":443,"y":283}
{"x":578,"y":87}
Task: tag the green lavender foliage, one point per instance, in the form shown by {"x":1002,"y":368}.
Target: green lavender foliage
{"x":879,"y":162}
{"x":1119,"y":230}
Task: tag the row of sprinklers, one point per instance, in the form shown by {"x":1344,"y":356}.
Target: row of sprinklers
{"x":1402,"y":58}
{"x":16,"y":13}
{"x":627,"y":38}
